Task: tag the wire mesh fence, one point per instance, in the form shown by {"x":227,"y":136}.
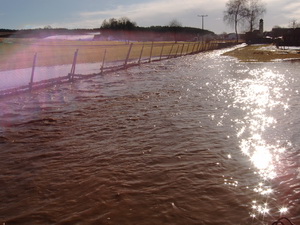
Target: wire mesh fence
{"x":45,"y":64}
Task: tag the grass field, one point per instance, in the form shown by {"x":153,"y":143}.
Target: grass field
{"x":19,"y":53}
{"x":263,"y":53}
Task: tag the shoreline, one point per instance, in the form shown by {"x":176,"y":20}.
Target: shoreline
{"x":264,"y":53}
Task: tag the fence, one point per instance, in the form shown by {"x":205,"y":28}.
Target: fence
{"x":100,"y":59}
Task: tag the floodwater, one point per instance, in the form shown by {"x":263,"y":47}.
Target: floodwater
{"x":201,"y":139}
{"x":22,"y":77}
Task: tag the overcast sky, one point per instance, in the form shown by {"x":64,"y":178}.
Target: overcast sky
{"x":25,"y":14}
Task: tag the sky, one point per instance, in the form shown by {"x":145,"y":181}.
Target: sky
{"x":28,"y":14}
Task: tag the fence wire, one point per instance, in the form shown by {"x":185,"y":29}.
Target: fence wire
{"x":48,"y":64}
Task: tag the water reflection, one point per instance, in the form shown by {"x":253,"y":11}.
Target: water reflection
{"x":260,"y":97}
{"x":137,"y":147}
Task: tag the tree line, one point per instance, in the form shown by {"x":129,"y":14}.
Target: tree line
{"x":127,"y":29}
{"x":126,"y":24}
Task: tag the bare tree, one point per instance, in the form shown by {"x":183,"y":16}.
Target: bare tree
{"x":294,"y":24}
{"x":254,"y":10}
{"x":48,"y":27}
{"x":235,"y":14}
{"x":175,"y":23}
{"x":175,"y":27}
{"x":118,"y":24}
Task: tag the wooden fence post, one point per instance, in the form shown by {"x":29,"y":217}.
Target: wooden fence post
{"x":182,"y":50}
{"x":193,"y":49}
{"x":151,"y":51}
{"x":198,"y":47}
{"x":161,"y":52}
{"x":177,"y":50}
{"x":32,"y":71}
{"x":71,"y":74}
{"x":188,"y":47}
{"x":141,"y":54}
{"x":103,"y":61}
{"x":170,"y":51}
{"x":128,"y":54}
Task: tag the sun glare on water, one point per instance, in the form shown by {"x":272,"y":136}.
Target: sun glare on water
{"x":259,"y":96}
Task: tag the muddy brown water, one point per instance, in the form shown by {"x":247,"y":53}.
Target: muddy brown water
{"x":201,"y":139}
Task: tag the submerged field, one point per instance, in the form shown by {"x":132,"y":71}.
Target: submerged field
{"x":201,"y":139}
{"x":19,"y":53}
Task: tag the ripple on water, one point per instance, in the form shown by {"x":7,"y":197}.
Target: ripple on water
{"x":178,"y":141}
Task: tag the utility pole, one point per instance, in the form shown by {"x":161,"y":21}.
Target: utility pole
{"x":202,"y":20}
